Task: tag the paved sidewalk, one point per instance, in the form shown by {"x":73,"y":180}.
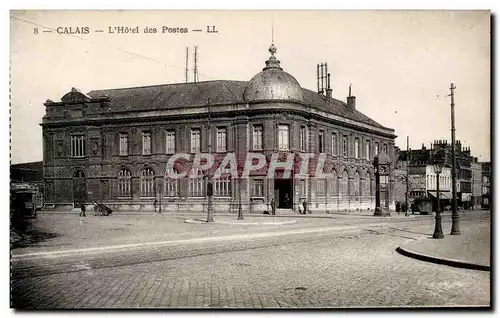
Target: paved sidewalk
{"x":470,"y":249}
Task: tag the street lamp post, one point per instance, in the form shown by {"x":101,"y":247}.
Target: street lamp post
{"x":381,"y":164}
{"x":438,"y":230}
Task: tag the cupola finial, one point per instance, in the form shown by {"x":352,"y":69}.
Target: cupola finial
{"x":272,"y":62}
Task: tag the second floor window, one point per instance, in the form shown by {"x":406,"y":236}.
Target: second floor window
{"x":385,"y":149}
{"x":195,"y":140}
{"x":221,"y":140}
{"x":321,"y":141}
{"x":78,"y":146}
{"x":334,"y":144}
{"x":345,"y":147}
{"x":303,"y":139}
{"x":367,"y":154}
{"x":356,"y":148}
{"x":376,"y":148}
{"x":283,"y":137}
{"x":123,"y":144}
{"x":170,"y":146}
{"x":146,"y":143}
{"x":257,"y":137}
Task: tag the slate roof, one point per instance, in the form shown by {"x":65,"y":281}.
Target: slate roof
{"x":27,"y":172}
{"x":180,"y":95}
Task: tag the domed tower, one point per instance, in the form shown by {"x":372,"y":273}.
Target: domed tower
{"x":273,"y":83}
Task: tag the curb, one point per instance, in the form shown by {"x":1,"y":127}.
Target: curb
{"x":442,"y":261}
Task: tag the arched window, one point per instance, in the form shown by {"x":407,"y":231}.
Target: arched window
{"x":196,"y":183}
{"x":356,"y":184}
{"x":171,"y":185}
{"x":366,"y":187}
{"x":78,"y":174}
{"x":124,"y":183}
{"x":321,"y":187}
{"x":344,"y":184}
{"x":147,"y":183}
{"x":334,"y":191}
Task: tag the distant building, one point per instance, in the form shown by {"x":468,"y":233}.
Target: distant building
{"x":476,"y":169}
{"x":486,"y":185}
{"x":28,"y":177}
{"x":422,"y":181}
{"x":27,"y":172}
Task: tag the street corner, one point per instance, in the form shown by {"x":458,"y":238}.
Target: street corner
{"x":451,"y":251}
{"x":252,"y":221}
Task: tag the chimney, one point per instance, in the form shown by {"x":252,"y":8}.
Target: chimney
{"x":328,"y":89}
{"x":351,"y":100}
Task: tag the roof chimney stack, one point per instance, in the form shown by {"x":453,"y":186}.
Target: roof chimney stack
{"x":351,"y":100}
{"x":328,"y":89}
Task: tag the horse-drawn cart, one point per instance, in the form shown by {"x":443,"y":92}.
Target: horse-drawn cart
{"x":101,"y":209}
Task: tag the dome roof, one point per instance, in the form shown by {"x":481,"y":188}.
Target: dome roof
{"x":273,"y":83}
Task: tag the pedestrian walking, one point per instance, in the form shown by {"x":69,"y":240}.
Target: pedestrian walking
{"x":82,"y":209}
{"x":304,"y":204}
{"x":273,"y":206}
{"x":286,"y":200}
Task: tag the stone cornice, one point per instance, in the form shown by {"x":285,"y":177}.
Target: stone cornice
{"x":218,"y":110}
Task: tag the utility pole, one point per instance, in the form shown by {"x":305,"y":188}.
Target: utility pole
{"x":187,"y":61}
{"x":210,"y":208}
{"x":455,"y":228}
{"x":239,"y":163}
{"x":407,"y":172}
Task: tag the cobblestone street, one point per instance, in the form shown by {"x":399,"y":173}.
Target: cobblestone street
{"x":343,"y":268}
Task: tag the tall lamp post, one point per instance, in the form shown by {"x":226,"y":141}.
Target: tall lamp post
{"x":455,"y":228}
{"x":438,"y":168}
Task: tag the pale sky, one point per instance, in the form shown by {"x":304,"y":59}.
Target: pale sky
{"x":400,"y":63}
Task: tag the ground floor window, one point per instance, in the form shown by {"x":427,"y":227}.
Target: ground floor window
{"x":257,"y":188}
{"x":124,"y":183}
{"x":303,"y":188}
{"x":171,"y":187}
{"x":344,"y":184}
{"x":321,"y":187}
{"x":222,"y":187}
{"x":196,"y":185}
{"x":333,"y":186}
{"x":366,"y":186}
{"x":147,"y":183}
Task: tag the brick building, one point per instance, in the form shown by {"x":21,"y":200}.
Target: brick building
{"x":476,"y":170}
{"x":113,"y":145}
{"x":466,"y":166}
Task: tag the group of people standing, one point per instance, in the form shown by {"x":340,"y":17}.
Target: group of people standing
{"x":302,"y":206}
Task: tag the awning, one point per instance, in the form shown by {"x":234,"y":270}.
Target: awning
{"x":442,"y":195}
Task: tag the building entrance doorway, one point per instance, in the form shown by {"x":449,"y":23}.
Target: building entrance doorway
{"x":79,"y":187}
{"x":283,"y":193}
